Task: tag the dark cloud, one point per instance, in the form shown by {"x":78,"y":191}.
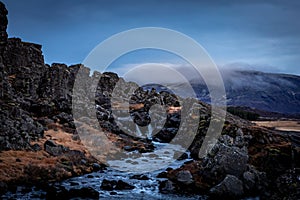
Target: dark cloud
{"x":257,"y":31}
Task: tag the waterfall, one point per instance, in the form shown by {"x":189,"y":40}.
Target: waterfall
{"x":145,"y":132}
{"x":138,"y":131}
{"x":149,"y":133}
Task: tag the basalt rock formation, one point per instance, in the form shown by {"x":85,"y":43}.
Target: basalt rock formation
{"x":3,"y":25}
{"x":35,"y":116}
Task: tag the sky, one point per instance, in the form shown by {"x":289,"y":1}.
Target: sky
{"x":256,"y":35}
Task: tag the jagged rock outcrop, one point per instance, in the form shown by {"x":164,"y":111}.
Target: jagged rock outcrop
{"x":24,"y":64}
{"x":3,"y":25}
{"x":246,"y":160}
{"x":21,"y":67}
{"x":231,"y":186}
{"x":35,"y":105}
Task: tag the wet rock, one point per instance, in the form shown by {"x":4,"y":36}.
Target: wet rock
{"x":96,"y":167}
{"x":121,"y":185}
{"x":72,"y":183}
{"x":165,"y":135}
{"x":84,"y":193}
{"x":115,"y":185}
{"x":231,"y":186}
{"x":128,"y":148}
{"x":3,"y":187}
{"x":62,"y":193}
{"x":183,"y":156}
{"x":162,"y":175}
{"x":185,"y":177}
{"x":83,"y":162}
{"x":90,"y":176}
{"x":53,"y":192}
{"x":108,"y":185}
{"x":166,"y":187}
{"x":140,"y":177}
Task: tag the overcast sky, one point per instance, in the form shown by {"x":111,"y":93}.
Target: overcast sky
{"x":257,"y":34}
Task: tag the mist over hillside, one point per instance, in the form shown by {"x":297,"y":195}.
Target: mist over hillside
{"x":259,"y":90}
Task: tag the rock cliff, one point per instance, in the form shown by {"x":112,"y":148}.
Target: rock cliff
{"x":36,"y":140}
{"x":3,"y":25}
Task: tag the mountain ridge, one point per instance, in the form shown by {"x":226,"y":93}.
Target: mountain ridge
{"x":272,"y":92}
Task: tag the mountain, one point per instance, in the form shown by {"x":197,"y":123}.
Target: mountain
{"x":278,"y":93}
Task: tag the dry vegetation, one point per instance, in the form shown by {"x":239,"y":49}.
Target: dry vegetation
{"x":281,"y":125}
{"x":19,"y":165}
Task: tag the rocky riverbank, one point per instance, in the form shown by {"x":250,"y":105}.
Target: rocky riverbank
{"x":40,"y":145}
{"x":250,"y":161}
{"x":37,"y":136}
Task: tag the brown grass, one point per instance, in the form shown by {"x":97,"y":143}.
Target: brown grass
{"x":11,"y":170}
{"x":281,"y":125}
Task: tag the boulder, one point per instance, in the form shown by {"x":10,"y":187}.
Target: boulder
{"x":53,"y":149}
{"x":108,"y":185}
{"x":86,"y":193}
{"x":231,"y":186}
{"x":115,"y":185}
{"x":139,"y":177}
{"x":166,"y":186}
{"x":249,"y":180}
{"x":81,"y":193}
{"x":185,"y":177}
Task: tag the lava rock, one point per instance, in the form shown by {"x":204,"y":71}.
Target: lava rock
{"x":166,"y":187}
{"x":53,"y":149}
{"x":185,"y":177}
{"x":86,"y":192}
{"x":96,"y":167}
{"x":139,"y":177}
{"x":62,"y":193}
{"x":121,"y":185}
{"x":249,"y":180}
{"x":64,"y":118}
{"x":232,"y":160}
{"x":115,"y":185}
{"x":3,"y":187}
{"x":50,"y":143}
{"x":231,"y":186}
{"x":108,"y":185}
{"x":3,"y":25}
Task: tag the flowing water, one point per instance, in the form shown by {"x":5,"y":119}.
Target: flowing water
{"x":149,"y":165}
{"x":144,"y":189}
